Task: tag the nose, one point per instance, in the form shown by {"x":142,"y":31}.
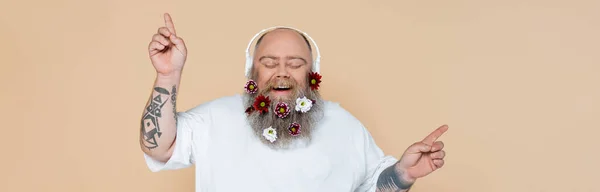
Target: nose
{"x":282,"y":72}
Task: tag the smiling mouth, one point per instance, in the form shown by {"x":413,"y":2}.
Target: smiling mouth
{"x":282,"y":88}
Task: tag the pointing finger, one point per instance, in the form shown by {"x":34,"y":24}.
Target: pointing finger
{"x":435,"y":135}
{"x":169,"y":23}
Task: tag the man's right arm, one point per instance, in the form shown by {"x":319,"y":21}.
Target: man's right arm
{"x":158,"y":128}
{"x":159,"y":120}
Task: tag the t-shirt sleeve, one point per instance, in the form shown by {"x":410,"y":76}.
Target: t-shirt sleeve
{"x":375,"y":161}
{"x":192,"y":128}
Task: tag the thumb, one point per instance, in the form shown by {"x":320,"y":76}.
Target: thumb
{"x":418,"y":147}
{"x":179,"y":44}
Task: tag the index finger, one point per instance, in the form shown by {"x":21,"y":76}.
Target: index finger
{"x":169,"y":23}
{"x":433,"y":136}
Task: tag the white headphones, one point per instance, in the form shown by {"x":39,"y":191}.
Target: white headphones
{"x":249,"y":58}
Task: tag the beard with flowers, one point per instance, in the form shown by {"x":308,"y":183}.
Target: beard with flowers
{"x":284,"y":122}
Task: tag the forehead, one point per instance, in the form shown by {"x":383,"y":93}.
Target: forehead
{"x":283,"y":40}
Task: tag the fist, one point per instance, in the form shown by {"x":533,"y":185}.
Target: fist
{"x":167,"y":51}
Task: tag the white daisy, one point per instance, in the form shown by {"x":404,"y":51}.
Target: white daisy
{"x":303,"y":104}
{"x":270,"y":134}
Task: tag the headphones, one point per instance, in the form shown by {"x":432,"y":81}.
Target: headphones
{"x":249,"y":58}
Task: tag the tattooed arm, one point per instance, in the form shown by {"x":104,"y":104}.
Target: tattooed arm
{"x":391,"y":179}
{"x":159,"y":121}
{"x":159,"y":124}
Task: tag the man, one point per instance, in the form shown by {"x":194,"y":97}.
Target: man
{"x":279,"y":135}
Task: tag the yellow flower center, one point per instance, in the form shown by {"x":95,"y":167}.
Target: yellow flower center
{"x":282,"y":110}
{"x":270,"y":131}
{"x":251,"y":87}
{"x":293,"y":129}
{"x":302,"y":103}
{"x":262,"y":104}
{"x":313,"y":81}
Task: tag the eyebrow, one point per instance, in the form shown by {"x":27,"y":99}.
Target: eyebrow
{"x":276,"y":58}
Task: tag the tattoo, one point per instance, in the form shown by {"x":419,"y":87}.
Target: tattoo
{"x":150,"y":126}
{"x":390,"y":180}
{"x":173,"y":99}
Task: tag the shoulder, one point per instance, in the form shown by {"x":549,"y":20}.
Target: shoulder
{"x":224,"y":104}
{"x":340,"y":125}
{"x":334,"y":111}
{"x":337,"y":118}
{"x":230,"y":101}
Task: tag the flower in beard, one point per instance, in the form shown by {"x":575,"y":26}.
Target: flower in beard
{"x":294,"y":129}
{"x":270,"y":134}
{"x":282,"y":110}
{"x":314,"y":79}
{"x":249,"y":109}
{"x":261,"y":104}
{"x":251,"y":87}
{"x":303,"y":104}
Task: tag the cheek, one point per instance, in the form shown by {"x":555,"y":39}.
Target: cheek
{"x":263,"y":79}
{"x":301,"y":80}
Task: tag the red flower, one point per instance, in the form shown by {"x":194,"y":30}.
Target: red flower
{"x":249,"y":110}
{"x":282,"y":110}
{"x":251,"y":87}
{"x":314,"y":80}
{"x":261,"y":104}
{"x":294,"y":129}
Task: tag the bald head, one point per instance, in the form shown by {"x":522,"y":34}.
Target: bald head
{"x":287,"y":30}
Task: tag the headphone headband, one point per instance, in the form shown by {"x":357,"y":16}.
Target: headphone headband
{"x":249,"y":59}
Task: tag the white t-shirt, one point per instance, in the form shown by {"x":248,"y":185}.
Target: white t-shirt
{"x":216,"y":138}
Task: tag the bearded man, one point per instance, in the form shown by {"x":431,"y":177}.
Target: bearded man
{"x":279,"y":135}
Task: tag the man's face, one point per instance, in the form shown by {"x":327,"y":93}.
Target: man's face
{"x":281,"y":66}
{"x":282,"y":61}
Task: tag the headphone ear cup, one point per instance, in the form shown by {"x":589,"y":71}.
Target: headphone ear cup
{"x":248,"y":65}
{"x":316,"y":65}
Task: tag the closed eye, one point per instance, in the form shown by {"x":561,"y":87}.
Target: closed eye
{"x":268,"y":62}
{"x":295,"y":64}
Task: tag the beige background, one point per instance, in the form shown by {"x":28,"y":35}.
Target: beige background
{"x":516,"y":80}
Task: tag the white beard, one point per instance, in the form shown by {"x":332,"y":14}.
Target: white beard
{"x":308,"y":120}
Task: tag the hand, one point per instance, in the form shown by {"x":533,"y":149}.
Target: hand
{"x":422,"y":158}
{"x":167,"y":51}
